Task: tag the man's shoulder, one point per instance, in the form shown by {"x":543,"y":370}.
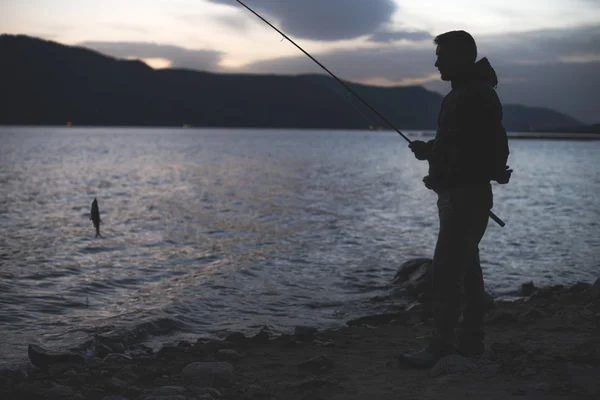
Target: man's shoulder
{"x":480,"y":90}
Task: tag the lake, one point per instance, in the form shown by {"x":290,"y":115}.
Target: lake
{"x":207,"y":231}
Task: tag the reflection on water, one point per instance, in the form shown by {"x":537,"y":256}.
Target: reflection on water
{"x":231,"y":230}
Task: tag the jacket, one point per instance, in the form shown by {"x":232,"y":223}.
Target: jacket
{"x":470,"y":137}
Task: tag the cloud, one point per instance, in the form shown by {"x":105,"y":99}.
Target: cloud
{"x":541,"y":68}
{"x":323,"y":20}
{"x":550,"y":68}
{"x":204,"y":60}
{"x":388,"y":35}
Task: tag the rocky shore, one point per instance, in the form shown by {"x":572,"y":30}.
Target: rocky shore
{"x":544,"y":345}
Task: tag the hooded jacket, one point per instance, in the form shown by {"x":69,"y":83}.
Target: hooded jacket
{"x":470,"y":137}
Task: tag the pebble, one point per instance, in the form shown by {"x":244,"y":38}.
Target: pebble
{"x":61,"y":391}
{"x":168,"y":391}
{"x":236,"y":338}
{"x":305,"y":332}
{"x":452,"y":364}
{"x":116,"y":358}
{"x":319,"y":363}
{"x":209,"y":373}
{"x":116,"y":383}
{"x":228,"y":355}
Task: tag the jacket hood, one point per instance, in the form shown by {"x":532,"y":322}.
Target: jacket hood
{"x":483,"y":71}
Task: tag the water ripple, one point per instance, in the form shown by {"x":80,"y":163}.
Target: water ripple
{"x":206,"y":231}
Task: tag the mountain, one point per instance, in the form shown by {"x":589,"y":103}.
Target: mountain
{"x":595,"y":128}
{"x":47,"y":83}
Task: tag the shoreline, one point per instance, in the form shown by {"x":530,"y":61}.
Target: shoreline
{"x":413,"y":133}
{"x":544,"y":345}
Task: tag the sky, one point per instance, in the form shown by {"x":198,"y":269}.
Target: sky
{"x":546,"y":52}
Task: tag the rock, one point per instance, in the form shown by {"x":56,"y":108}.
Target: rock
{"x":452,"y":364}
{"x":262,"y":337}
{"x":585,"y":379}
{"x":228,"y":355}
{"x":415,"y":275}
{"x":595,"y":289}
{"x":378,"y":319}
{"x":527,"y":372}
{"x":543,"y":387}
{"x":198,"y":390}
{"x":318,"y":363}
{"x":579,"y":287}
{"x":527,"y":289}
{"x":102,"y":350}
{"x":205,"y":392}
{"x":209,"y":373}
{"x":15,"y":374}
{"x":172,"y":397}
{"x":212,"y":345}
{"x":113,"y":343}
{"x":5,"y":382}
{"x":117,"y":384}
{"x":536,"y":313}
{"x":133,"y":392}
{"x":71,"y":374}
{"x":312,"y":383}
{"x":214,"y":392}
{"x":43,"y":358}
{"x":95,"y":362}
{"x":116,"y":358}
{"x":502,"y":317}
{"x":170,"y":349}
{"x":59,"y":369}
{"x":305,"y":333}
{"x":511,"y":348}
{"x":168,"y":391}
{"x":114,"y":398}
{"x":61,"y":391}
{"x":141,"y":349}
{"x":27,"y":389}
{"x":236,"y":338}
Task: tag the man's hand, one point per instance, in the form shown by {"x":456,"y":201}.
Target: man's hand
{"x":420,"y":149}
{"x":504,"y":176}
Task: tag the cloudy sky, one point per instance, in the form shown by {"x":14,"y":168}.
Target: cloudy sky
{"x":546,"y":52}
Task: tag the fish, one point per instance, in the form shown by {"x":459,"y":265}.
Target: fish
{"x":95,"y":217}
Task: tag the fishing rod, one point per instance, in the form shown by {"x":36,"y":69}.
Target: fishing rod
{"x":492,"y":215}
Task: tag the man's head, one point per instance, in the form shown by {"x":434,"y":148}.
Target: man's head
{"x":456,"y":52}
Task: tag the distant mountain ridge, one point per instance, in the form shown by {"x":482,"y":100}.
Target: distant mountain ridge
{"x":47,"y":83}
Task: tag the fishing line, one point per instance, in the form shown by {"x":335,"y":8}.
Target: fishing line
{"x":492,"y":215}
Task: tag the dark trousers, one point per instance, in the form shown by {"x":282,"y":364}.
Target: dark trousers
{"x":457,"y":277}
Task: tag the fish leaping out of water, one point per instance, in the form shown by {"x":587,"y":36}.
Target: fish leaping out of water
{"x":95,"y":217}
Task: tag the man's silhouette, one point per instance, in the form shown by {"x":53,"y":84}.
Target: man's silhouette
{"x":469,"y":151}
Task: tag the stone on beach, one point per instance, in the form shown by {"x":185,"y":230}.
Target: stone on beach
{"x":415,"y":277}
{"x":305,"y":333}
{"x":116,"y":358}
{"x":209,"y":373}
{"x":43,"y":358}
{"x":228,"y":355}
{"x":452,"y":364}
{"x":61,"y":391}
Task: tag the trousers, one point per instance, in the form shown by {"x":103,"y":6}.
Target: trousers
{"x":457,"y":277}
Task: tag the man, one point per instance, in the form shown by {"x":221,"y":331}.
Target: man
{"x":469,"y":151}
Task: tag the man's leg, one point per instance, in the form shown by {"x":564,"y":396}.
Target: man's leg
{"x":448,"y":270}
{"x":463,"y":217}
{"x":448,"y":262}
{"x":471,"y":334}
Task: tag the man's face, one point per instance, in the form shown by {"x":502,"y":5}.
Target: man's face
{"x":448,"y":63}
